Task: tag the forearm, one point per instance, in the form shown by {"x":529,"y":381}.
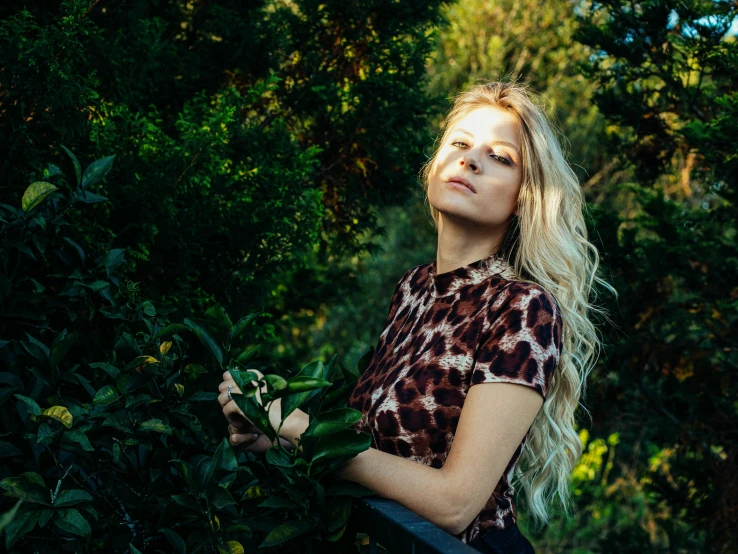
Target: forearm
{"x":421,"y":489}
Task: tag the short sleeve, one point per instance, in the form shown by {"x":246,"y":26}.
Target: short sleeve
{"x":523,"y":341}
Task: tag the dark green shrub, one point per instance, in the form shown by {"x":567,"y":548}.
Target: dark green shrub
{"x":105,"y":436}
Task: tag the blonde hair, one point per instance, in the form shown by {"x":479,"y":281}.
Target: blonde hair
{"x":546,"y":243}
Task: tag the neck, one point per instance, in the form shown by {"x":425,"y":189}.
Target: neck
{"x":460,"y":244}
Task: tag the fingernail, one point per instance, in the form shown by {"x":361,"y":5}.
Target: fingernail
{"x":256,"y":435}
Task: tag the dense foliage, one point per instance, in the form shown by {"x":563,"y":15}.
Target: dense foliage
{"x":247,"y":135}
{"x":104,"y":445}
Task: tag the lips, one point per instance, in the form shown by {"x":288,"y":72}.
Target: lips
{"x":462,"y":181}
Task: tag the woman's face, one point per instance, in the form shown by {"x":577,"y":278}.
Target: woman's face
{"x":483,"y":147}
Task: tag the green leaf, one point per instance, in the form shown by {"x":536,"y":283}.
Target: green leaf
{"x":26,"y":488}
{"x":333,"y":421}
{"x":107,"y":368}
{"x":286,"y":531}
{"x":248,"y":355}
{"x":106,"y":395}
{"x":21,"y":524}
{"x":155,"y":425}
{"x":338,"y":512}
{"x":112,"y":259}
{"x":52,"y":171}
{"x":171,"y":329}
{"x":215,"y":465}
{"x":96,"y":171}
{"x":202,"y":396}
{"x":46,"y":515}
{"x":8,"y":450}
{"x":219,"y":321}
{"x":193,"y":370}
{"x":75,"y":162}
{"x":240,"y":327}
{"x":80,"y":438}
{"x":177,"y":542}
{"x":229,"y":462}
{"x":313,"y":369}
{"x":87,"y":197}
{"x":8,"y":516}
{"x":206,"y":339}
{"x":45,"y":434}
{"x":71,"y":521}
{"x":301,"y":384}
{"x":220,"y":497}
{"x":244,"y":381}
{"x":77,"y":247}
{"x":254,"y":413}
{"x":276,"y":382}
{"x":71,"y":497}
{"x":133,"y":549}
{"x":278,"y":457}
{"x":35,"y":194}
{"x":33,"y":408}
{"x":41,"y":346}
{"x":61,"y":346}
{"x":347,"y":443}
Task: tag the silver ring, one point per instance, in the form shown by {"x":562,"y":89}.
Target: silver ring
{"x":230,"y":388}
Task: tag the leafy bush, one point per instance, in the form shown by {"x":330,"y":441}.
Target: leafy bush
{"x":106,"y":445}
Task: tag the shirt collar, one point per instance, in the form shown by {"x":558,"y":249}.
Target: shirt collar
{"x":452,"y":281}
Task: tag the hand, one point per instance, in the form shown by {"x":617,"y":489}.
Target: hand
{"x":250,"y":439}
{"x":243,"y":434}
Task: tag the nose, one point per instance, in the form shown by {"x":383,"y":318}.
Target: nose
{"x":473,"y":166}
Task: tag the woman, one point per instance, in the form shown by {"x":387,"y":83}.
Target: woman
{"x":505,"y":304}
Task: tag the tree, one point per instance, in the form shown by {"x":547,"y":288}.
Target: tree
{"x":667,"y":74}
{"x":245,"y":134}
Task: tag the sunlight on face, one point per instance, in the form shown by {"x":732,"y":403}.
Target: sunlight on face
{"x":483,"y":148}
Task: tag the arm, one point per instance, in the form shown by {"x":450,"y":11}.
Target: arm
{"x":494,"y":419}
{"x":420,"y":488}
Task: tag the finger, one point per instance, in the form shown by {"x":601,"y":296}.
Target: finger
{"x":259,"y":446}
{"x":243,"y":439}
{"x":223,"y":399}
{"x":223,"y":387}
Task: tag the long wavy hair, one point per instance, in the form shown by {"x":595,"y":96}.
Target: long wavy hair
{"x":546,"y":243}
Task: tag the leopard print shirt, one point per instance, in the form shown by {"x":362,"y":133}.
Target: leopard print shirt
{"x":443,"y":334}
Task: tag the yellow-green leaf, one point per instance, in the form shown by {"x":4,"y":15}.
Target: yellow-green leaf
{"x":59,"y":413}
{"x":164,"y":347}
{"x":254,"y":492}
{"x":142,"y":361}
{"x":180,"y":388}
{"x":35,"y":194}
{"x":105,"y":395}
{"x":155,"y":425}
{"x":232,"y":547}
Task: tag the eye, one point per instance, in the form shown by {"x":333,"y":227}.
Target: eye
{"x":501,"y":159}
{"x":458,"y":142}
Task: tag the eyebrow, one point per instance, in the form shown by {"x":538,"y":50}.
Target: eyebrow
{"x":503,"y":142}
